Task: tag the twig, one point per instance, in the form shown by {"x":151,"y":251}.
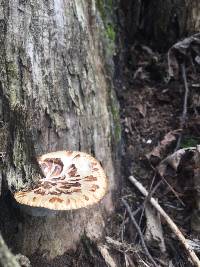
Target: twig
{"x":173,"y":191}
{"x":123,"y":226}
{"x":186,"y":94}
{"x":184,"y":114}
{"x":139,"y":232}
{"x":151,"y":192}
{"x":134,"y":213}
{"x":171,"y":224}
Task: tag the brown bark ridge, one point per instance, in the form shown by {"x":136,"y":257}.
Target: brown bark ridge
{"x":55,"y":95}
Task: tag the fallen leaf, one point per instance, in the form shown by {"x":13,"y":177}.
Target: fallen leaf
{"x":182,"y":50}
{"x":167,"y":140}
{"x":142,"y":109}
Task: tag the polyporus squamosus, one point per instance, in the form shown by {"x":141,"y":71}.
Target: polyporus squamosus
{"x":72,"y":180}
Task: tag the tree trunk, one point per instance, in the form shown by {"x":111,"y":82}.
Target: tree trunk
{"x":56,"y":94}
{"x":158,"y":23}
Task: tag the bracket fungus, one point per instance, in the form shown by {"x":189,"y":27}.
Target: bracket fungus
{"x":72,"y":180}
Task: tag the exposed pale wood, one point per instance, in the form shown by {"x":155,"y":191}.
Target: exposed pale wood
{"x":106,"y":255}
{"x":7,"y":259}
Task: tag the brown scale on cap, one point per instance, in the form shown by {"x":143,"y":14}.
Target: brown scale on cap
{"x":72,"y":180}
{"x":72,"y":171}
{"x":94,"y":187}
{"x":90,"y":178}
{"x":55,"y":199}
{"x":77,"y":156}
{"x":85,"y":197}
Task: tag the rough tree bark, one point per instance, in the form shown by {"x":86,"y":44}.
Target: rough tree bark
{"x":56,"y":93}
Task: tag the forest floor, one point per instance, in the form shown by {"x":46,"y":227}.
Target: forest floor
{"x":155,"y":124}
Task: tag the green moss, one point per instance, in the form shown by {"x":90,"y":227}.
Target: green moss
{"x":189,"y":142}
{"x":106,"y":10}
{"x":13,"y":80}
{"x":110,"y":32}
{"x":12,"y":70}
{"x":101,"y":8}
{"x":104,"y":6}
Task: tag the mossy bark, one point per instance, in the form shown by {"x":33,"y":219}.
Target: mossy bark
{"x":55,"y":94}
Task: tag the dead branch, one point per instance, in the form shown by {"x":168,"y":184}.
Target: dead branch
{"x":121,"y":246}
{"x":171,"y":224}
{"x":103,"y":249}
{"x":185,"y":103}
{"x":139,"y":232}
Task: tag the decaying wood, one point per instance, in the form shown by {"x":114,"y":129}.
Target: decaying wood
{"x":172,"y":225}
{"x":154,"y":231}
{"x":121,"y":246}
{"x":106,"y":255}
{"x":7,"y":259}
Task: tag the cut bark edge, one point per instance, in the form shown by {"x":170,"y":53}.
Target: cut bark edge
{"x":195,"y":260}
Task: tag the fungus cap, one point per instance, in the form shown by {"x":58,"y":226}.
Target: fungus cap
{"x":72,"y":180}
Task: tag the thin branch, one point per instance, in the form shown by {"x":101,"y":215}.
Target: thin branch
{"x":171,"y":224}
{"x":139,"y":232}
{"x":151,"y":192}
{"x":186,"y":94}
{"x":173,"y":191}
{"x":185,"y":104}
{"x":134,"y":213}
